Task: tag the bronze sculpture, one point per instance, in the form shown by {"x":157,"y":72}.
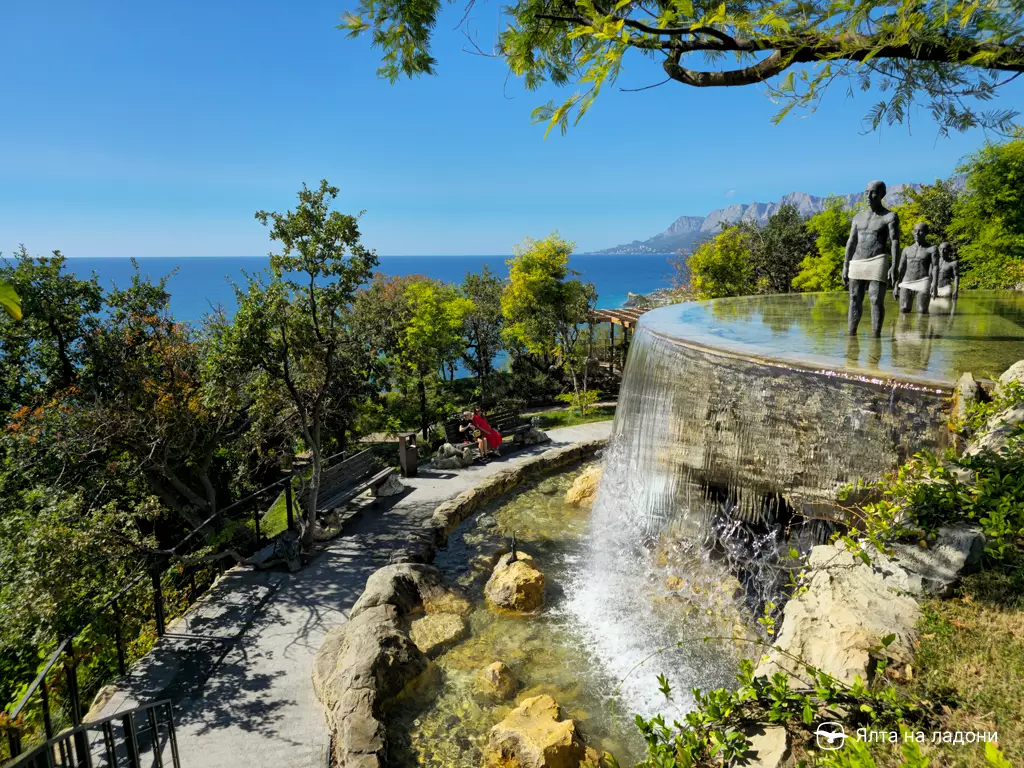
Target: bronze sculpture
{"x":947,"y":273}
{"x":914,"y":276}
{"x":871,"y":255}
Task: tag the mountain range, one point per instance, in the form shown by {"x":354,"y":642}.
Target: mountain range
{"x":686,"y":232}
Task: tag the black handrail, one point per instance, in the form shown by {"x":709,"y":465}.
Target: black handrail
{"x":123,"y":735}
{"x":65,"y":646}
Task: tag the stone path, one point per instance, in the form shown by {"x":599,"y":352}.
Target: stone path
{"x":238,"y":664}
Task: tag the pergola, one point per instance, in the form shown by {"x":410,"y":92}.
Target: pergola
{"x":626,"y":318}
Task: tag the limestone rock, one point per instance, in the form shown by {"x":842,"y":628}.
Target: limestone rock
{"x":284,"y":550}
{"x":534,"y":736}
{"x":1014,"y":373}
{"x":584,"y":488}
{"x":769,"y":746}
{"x":411,"y":588}
{"x":996,"y":433}
{"x":843,"y":616}
{"x":498,"y":681}
{"x":966,"y":393}
{"x":392,"y":486}
{"x":935,"y":570}
{"x":435,"y":633}
{"x":515,"y":585}
{"x":535,"y":436}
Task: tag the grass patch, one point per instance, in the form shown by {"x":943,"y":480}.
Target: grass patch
{"x":570,"y":417}
{"x":971,"y":655}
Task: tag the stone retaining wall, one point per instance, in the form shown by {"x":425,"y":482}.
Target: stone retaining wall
{"x":369,"y":661}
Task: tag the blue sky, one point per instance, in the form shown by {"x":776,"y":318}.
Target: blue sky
{"x":158,"y":129}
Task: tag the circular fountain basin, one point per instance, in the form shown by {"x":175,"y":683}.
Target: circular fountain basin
{"x":764,"y":405}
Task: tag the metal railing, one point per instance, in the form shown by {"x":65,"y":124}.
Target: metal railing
{"x":139,"y":737}
{"x":51,"y":716}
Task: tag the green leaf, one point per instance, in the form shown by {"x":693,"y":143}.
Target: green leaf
{"x":9,"y":300}
{"x":888,"y":640}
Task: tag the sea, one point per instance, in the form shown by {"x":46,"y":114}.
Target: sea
{"x":199,"y":284}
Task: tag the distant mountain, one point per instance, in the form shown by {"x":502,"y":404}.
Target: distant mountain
{"x":686,"y":232}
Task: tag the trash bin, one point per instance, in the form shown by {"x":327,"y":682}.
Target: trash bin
{"x":408,"y":454}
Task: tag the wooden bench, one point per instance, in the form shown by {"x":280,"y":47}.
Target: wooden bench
{"x":347,"y":479}
{"x":505,"y":420}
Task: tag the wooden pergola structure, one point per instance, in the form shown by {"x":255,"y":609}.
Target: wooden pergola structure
{"x":627,"y":319}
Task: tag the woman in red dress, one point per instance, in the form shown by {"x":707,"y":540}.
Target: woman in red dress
{"x":486,"y":436}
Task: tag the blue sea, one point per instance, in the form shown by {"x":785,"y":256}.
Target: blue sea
{"x":198,"y":284}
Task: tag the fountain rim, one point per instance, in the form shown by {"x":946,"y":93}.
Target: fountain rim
{"x":809,"y":364}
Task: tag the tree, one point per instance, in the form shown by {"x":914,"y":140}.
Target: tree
{"x":722,"y":266}
{"x":933,"y":204}
{"x":292,"y":334}
{"x":778,"y":248}
{"x":433,"y":336}
{"x":483,"y":324}
{"x":546,"y":313}
{"x":10,"y":300}
{"x":939,"y":54}
{"x":988,"y":218}
{"x":822,"y":269}
{"x":45,"y":351}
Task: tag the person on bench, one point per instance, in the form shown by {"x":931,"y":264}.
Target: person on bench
{"x":486,"y":436}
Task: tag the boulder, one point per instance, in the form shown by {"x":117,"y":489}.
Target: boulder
{"x":966,"y":393}
{"x":534,"y":736}
{"x":284,"y":550}
{"x":769,"y":746}
{"x":838,"y":624}
{"x":497,"y":680}
{"x":584,"y":488}
{"x":450,"y":457}
{"x":391,"y":487}
{"x":935,"y":569}
{"x":437,"y":632}
{"x":515,"y":585}
{"x":1014,"y":373}
{"x":993,"y":437}
{"x":534,"y":436}
{"x":411,"y":588}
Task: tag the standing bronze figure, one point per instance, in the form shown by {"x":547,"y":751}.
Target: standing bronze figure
{"x":871,"y":255}
{"x":947,"y":273}
{"x":914,"y":276}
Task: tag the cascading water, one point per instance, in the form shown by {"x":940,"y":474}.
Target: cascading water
{"x":737,"y":422}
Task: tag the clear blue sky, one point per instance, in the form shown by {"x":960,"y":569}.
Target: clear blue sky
{"x":157,"y":129}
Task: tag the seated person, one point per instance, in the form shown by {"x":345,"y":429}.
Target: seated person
{"x":487,"y":438}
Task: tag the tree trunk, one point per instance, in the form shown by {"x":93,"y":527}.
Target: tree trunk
{"x":421,"y":387}
{"x":312,"y":498}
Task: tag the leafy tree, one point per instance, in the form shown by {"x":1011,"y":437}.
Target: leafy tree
{"x":433,"y":337}
{"x":722,"y":266}
{"x":822,"y":269}
{"x":483,"y":324}
{"x":546,"y":313}
{"x":988,"y":218}
{"x":778,"y":248}
{"x":293,"y":335}
{"x":10,"y":300}
{"x":45,"y":351}
{"x":941,"y":55}
{"x":932,"y":204}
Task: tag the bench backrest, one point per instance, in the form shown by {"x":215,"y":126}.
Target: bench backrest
{"x":505,"y":420}
{"x":348,"y":472}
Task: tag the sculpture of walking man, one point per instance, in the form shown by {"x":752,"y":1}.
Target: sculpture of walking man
{"x":947,"y":273}
{"x":871,"y":256}
{"x":914,"y":276}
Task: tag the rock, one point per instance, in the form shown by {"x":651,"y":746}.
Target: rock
{"x":534,"y":436}
{"x":839,"y":622}
{"x":498,"y":681}
{"x":966,"y":393}
{"x":392,"y":486}
{"x":435,"y":633}
{"x":769,"y":746}
{"x":584,"y":488}
{"x":100,"y":700}
{"x":411,"y":588}
{"x":534,"y":736}
{"x":996,"y":433}
{"x":1014,"y":373}
{"x":515,"y":585}
{"x":284,"y":550}
{"x":450,"y":457}
{"x":936,"y":569}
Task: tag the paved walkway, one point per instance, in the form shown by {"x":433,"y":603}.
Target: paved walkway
{"x":238,"y":664}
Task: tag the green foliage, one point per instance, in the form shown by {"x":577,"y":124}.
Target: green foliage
{"x":933,"y":204}
{"x":947,"y":57}
{"x":822,"y":270}
{"x":988,"y":218}
{"x":580,"y":402}
{"x":483,"y":324}
{"x":722,"y":265}
{"x":778,"y":249}
{"x":10,"y":300}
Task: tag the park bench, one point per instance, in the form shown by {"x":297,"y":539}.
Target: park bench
{"x":506,"y":420}
{"x":347,"y":479}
